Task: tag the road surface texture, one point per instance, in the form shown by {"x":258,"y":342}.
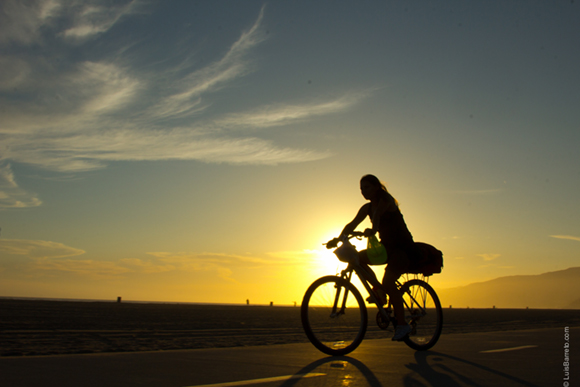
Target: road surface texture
{"x":508,"y":358}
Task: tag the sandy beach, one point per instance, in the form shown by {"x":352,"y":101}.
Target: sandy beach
{"x":33,"y":327}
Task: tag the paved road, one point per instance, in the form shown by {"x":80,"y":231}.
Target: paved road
{"x":511,"y":358}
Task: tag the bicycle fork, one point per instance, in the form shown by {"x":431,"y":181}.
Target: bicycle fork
{"x":339,"y":298}
{"x":335,"y":311}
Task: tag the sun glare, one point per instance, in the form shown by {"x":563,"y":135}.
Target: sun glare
{"x":326,"y":263}
{"x":322,"y":261}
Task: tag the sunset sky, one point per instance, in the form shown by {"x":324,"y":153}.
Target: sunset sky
{"x":202,"y":151}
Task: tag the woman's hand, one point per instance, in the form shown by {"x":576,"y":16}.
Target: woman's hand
{"x":369,"y":232}
{"x":331,"y":244}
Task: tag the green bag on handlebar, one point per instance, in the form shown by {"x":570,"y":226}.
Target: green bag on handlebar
{"x":376,"y":252}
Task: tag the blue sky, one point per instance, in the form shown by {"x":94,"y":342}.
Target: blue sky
{"x":203,"y":151}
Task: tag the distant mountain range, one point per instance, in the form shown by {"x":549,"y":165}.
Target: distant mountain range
{"x":558,"y":289}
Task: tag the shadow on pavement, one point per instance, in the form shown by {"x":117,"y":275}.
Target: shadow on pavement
{"x":431,"y":369}
{"x":440,"y":374}
{"x":338,"y":370}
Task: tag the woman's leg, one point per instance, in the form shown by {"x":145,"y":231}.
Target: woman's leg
{"x":389,"y":283}
{"x":398,"y":264}
{"x":365,"y":264}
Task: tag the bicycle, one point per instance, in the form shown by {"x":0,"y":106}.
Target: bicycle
{"x":334,"y":314}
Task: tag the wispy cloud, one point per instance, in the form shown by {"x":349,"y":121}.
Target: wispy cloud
{"x":22,"y":21}
{"x":37,"y":249}
{"x":111,"y":87}
{"x":284,"y":114}
{"x":222,"y":265}
{"x":194,"y":259}
{"x":53,"y":258}
{"x":299,"y":257}
{"x":185,"y":98}
{"x":568,"y":237}
{"x":495,"y":266}
{"x":81,"y":115}
{"x":11,"y":195}
{"x":489,"y":257}
{"x":476,"y":192}
{"x":92,"y":150}
{"x":81,"y":267}
{"x":90,"y":18}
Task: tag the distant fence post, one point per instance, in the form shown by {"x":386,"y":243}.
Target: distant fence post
{"x":119,"y":300}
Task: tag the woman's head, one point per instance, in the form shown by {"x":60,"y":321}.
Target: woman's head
{"x":372,"y":188}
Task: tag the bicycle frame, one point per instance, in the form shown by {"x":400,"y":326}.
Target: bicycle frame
{"x":365,"y":279}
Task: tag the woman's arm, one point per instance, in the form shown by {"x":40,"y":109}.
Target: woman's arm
{"x":362,"y":213}
{"x":382,"y":207}
{"x":360,"y":216}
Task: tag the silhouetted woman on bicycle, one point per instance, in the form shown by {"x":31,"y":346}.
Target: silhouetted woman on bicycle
{"x":387,"y":220}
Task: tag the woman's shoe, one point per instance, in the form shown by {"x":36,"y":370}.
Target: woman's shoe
{"x":401,"y":332}
{"x":379,"y":295}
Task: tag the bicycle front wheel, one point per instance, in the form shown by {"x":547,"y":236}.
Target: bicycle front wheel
{"x":334,"y":316}
{"x":423,"y":312}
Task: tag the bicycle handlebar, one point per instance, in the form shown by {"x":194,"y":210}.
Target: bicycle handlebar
{"x":331,"y":244}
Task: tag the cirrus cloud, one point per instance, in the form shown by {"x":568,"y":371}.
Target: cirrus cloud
{"x":83,"y":114}
{"x":568,"y":237}
{"x":37,"y":249}
{"x":489,"y":257}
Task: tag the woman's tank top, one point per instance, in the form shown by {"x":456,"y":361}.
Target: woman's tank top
{"x":393,"y":231}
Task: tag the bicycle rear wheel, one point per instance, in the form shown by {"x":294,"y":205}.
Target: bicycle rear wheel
{"x":334,"y":316}
{"x":423,"y":312}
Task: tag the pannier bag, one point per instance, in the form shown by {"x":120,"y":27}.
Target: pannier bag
{"x":430,"y":260}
